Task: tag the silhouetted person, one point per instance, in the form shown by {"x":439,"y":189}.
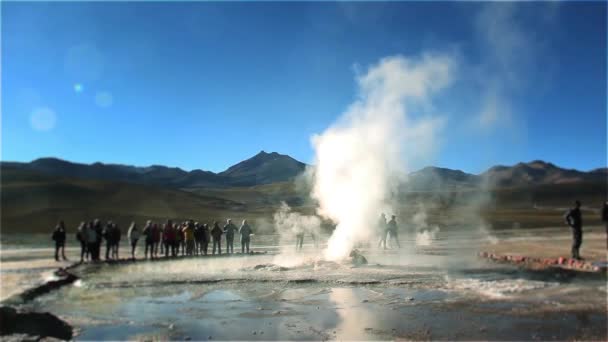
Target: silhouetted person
{"x":206,"y":233}
{"x":382,"y":229}
{"x":299,"y":238}
{"x":392,"y":230}
{"x":108,"y":235}
{"x":161,"y":243}
{"x":148,"y":234}
{"x":605,"y":219}
{"x":98,"y":228}
{"x":91,"y":237}
{"x":117,"y":238}
{"x":198,"y":238}
{"x":216,"y":234}
{"x":133,"y":236}
{"x":179,"y":238}
{"x":245,"y":231}
{"x":574,"y":219}
{"x":168,"y":238}
{"x":59,"y":238}
{"x":175,"y":241}
{"x":82,"y":239}
{"x":230,"y":229}
{"x":156,"y":235}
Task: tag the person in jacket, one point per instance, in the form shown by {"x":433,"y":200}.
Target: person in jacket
{"x":156,"y":234}
{"x":117,"y":235}
{"x":605,"y":219}
{"x":176,"y":243}
{"x":98,"y":227}
{"x":133,"y":235}
{"x":108,"y":235}
{"x":82,"y":239}
{"x":179,"y":238}
{"x":206,"y":234}
{"x":574,"y":219}
{"x":198,"y":238}
{"x":216,"y":235}
{"x":246,"y":232}
{"x":229,"y":230}
{"x":148,"y":233}
{"x":189,"y":237}
{"x":391,"y":228}
{"x":59,"y":236}
{"x":91,"y":237}
{"x":168,"y":237}
{"x":161,"y":243}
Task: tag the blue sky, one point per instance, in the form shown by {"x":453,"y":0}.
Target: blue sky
{"x":205,"y":85}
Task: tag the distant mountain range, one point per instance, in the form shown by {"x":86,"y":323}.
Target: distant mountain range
{"x":268,"y":168}
{"x":263,"y":168}
{"x":520,"y":175}
{"x":35,"y":195}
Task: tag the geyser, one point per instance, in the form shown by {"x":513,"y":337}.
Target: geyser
{"x":363,"y":156}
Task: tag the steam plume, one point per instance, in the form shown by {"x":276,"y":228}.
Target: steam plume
{"x":360,"y":159}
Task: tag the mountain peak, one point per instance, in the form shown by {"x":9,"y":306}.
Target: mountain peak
{"x":265,"y":168}
{"x":264,"y":154}
{"x":538,"y":164}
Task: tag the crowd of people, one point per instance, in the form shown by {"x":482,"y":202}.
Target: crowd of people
{"x":193,"y":238}
{"x":170,"y":239}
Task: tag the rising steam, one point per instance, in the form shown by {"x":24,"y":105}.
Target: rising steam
{"x":362,"y":157}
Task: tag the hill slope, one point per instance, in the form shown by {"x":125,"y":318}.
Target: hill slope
{"x":32,"y":202}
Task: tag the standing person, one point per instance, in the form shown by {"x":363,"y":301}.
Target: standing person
{"x":108,"y":235}
{"x":148,"y":233}
{"x":229,"y":230}
{"x":91,"y":237}
{"x":161,"y":243}
{"x":168,"y":237}
{"x":189,"y":237}
{"x":245,"y":231}
{"x":574,"y":219}
{"x":216,"y":234}
{"x":382,"y":230}
{"x":198,"y":238}
{"x":605,"y":219}
{"x":299,"y":238}
{"x":81,"y":237}
{"x":59,"y":238}
{"x":179,"y":238}
{"x":392,"y":230}
{"x":156,"y":234}
{"x":117,"y":233}
{"x":206,"y":238}
{"x":98,"y":228}
{"x":133,"y":236}
{"x":175,"y":245}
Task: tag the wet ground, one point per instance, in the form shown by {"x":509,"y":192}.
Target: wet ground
{"x":439,"y":290}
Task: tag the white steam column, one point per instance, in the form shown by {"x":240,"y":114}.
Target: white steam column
{"x":359,"y":159}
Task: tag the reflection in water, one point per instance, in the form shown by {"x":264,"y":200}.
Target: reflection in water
{"x":352,"y":317}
